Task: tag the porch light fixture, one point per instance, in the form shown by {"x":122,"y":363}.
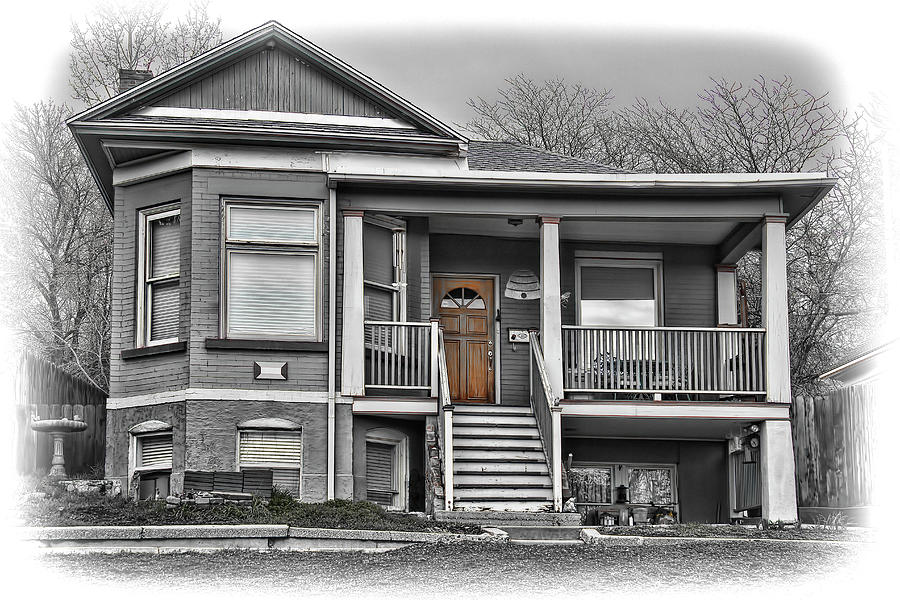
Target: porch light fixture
{"x":523,"y":285}
{"x":515,"y":221}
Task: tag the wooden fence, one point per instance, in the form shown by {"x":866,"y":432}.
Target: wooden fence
{"x":46,"y":391}
{"x":834,"y":444}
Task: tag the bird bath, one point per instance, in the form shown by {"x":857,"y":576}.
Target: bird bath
{"x":58,"y":428}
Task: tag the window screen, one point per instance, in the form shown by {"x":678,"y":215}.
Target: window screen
{"x":613,"y":296}
{"x":272,"y":271}
{"x":650,"y":486}
{"x":278,"y":451}
{"x":378,"y":254}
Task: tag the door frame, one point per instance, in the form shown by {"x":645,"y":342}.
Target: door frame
{"x":496,"y":280}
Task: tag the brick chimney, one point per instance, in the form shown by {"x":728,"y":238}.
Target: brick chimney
{"x":129,"y":78}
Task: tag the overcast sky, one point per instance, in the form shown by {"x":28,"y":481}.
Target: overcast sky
{"x":440,"y":57}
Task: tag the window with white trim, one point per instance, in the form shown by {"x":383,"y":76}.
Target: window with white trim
{"x":619,"y":292}
{"x":277,"y":450}
{"x":272,"y":272}
{"x":384,"y":268}
{"x":153,"y":463}
{"x":386,"y":473}
{"x":159,"y":265}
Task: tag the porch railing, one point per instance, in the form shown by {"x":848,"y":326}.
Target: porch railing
{"x":547,"y":413}
{"x":447,"y":410}
{"x":400,"y":355}
{"x":664,"y":360}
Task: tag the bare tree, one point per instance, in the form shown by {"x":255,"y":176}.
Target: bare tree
{"x":134,"y":36}
{"x":59,"y":244}
{"x":764,"y":126}
{"x":553,"y":115}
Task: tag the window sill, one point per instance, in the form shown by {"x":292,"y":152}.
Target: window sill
{"x":242,"y":344}
{"x":153,"y":350}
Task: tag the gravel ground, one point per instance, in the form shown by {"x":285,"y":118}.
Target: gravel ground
{"x":466,"y":570}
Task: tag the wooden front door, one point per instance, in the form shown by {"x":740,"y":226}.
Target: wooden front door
{"x":465,"y":306}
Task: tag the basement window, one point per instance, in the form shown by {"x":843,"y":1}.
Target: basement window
{"x":276,"y":450}
{"x":159,"y":260}
{"x":153,"y":462}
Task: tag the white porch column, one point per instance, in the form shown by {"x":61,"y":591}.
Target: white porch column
{"x":353,"y":336}
{"x":775,"y":309}
{"x":551,"y":311}
{"x":726,"y":294}
{"x":776,"y":456}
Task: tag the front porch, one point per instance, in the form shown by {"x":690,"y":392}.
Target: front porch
{"x":632,"y":326}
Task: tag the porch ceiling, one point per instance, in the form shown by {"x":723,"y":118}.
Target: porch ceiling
{"x":649,"y":231}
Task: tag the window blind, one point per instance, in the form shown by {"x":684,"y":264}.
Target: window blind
{"x":164,"y":304}
{"x":155,"y":451}
{"x":272,"y":224}
{"x":280,"y":451}
{"x":165,"y":246}
{"x":271,"y":294}
{"x":615,"y":283}
{"x":378,"y":254}
{"x":380,"y":478}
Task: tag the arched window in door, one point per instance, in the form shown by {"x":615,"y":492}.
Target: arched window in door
{"x":463,"y":297}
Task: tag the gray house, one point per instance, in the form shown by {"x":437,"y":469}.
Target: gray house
{"x":314,"y":277}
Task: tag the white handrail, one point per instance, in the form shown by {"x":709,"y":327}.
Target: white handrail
{"x":547,"y":413}
{"x":447,"y":409}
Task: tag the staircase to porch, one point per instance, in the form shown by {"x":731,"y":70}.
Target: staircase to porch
{"x":498,"y":460}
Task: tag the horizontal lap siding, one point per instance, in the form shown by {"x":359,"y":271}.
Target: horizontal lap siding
{"x":688,"y":295}
{"x":689,"y":291}
{"x":212,"y":368}
{"x":493,"y":256}
{"x":273,"y":80}
{"x":156,"y":373}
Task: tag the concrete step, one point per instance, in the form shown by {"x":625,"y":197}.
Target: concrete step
{"x":470,"y":467}
{"x":504,"y":493}
{"x":493,"y":454}
{"x":476,"y":419}
{"x":543,"y":532}
{"x":547,"y":542}
{"x":511,"y":516}
{"x":484,"y":504}
{"x":492,"y":443}
{"x":488,"y":430}
{"x":504,"y":479}
{"x":491,"y":409}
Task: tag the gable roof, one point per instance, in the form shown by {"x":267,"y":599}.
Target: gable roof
{"x":167,"y":88}
{"x":510,"y":156}
{"x":269,"y":70}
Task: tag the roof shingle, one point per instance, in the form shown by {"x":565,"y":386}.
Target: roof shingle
{"x":509,"y":156}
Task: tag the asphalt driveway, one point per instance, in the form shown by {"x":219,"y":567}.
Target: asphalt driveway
{"x":469,"y":570}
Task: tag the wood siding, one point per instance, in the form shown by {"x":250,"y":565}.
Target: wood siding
{"x":274,"y":80}
{"x":689,"y":293}
{"x":834,"y":446}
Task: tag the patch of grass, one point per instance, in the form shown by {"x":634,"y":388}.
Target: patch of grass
{"x":65,"y":509}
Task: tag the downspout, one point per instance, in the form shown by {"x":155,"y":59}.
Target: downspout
{"x":332,"y":343}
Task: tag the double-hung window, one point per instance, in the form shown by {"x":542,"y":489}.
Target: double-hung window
{"x":159,"y":262}
{"x":384,"y":268}
{"x":619,"y":292}
{"x":272,"y":271}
